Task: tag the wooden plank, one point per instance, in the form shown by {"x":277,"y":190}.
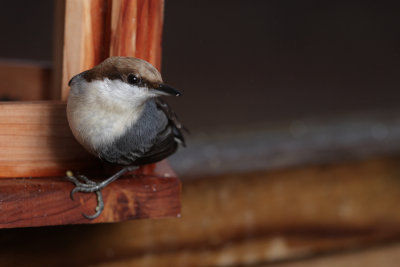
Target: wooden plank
{"x":150,"y":23}
{"x":35,"y":140}
{"x":124,"y":26}
{"x":238,"y":219}
{"x":84,"y":38}
{"x":246,"y":254}
{"x":386,"y":255}
{"x":155,"y":21}
{"x":31,"y":202}
{"x":25,"y":81}
{"x":136,"y":29}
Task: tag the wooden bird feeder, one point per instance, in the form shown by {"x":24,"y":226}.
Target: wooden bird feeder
{"x":37,"y":147}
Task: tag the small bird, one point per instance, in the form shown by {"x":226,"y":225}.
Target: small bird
{"x":114,"y":112}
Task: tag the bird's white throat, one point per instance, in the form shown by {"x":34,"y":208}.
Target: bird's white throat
{"x":100,"y":111}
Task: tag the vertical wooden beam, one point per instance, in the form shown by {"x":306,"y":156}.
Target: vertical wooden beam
{"x":84,"y":38}
{"x":141,"y":48}
{"x":96,"y":29}
{"x":155,"y":20}
{"x":136,"y":28}
{"x":123,"y":28}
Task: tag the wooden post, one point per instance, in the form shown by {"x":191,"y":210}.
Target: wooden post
{"x":150,"y":22}
{"x":124,"y":23}
{"x":84,"y":38}
{"x":97,"y":29}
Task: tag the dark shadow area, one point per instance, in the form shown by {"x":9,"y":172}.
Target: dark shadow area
{"x":241,"y":63}
{"x":26,"y":30}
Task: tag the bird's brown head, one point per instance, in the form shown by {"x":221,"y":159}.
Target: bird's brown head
{"x":131,"y":71}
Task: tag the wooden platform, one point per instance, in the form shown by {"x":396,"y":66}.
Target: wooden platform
{"x":26,"y":202}
{"x":37,"y":148}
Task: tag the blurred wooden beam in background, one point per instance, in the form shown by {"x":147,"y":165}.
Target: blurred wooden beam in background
{"x":239,"y":219}
{"x":385,"y":255}
{"x":286,"y":144}
{"x":24,"y":81}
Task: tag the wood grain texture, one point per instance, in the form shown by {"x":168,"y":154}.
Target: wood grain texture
{"x":384,"y":255}
{"x":296,"y":249}
{"x":150,"y":22}
{"x":35,"y":140}
{"x":236,"y":220}
{"x":136,"y":29}
{"x":97,"y":29}
{"x":155,"y":21}
{"x":84,"y":38}
{"x":124,"y":26}
{"x":31,"y":202}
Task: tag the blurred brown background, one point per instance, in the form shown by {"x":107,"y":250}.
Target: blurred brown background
{"x":295,"y":138}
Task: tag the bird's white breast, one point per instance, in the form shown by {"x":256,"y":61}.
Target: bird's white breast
{"x":96,"y":117}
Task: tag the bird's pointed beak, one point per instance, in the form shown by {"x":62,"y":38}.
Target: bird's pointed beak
{"x":164,"y":89}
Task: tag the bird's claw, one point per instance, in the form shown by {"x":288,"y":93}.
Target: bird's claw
{"x":99,"y":207}
{"x":87,"y":186}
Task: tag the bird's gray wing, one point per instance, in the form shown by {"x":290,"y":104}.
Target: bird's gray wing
{"x":173,"y":120}
{"x":152,"y":138}
{"x":167,"y":140}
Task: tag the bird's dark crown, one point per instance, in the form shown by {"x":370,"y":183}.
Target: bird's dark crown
{"x":121,"y":68}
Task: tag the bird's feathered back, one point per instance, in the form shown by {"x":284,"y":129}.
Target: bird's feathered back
{"x":154,"y":136}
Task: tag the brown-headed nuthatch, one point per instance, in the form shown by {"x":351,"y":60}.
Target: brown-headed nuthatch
{"x":114,"y":112}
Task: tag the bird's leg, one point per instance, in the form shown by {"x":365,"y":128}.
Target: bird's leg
{"x":88,"y":186}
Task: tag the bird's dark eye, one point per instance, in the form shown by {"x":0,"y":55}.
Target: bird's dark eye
{"x":132,"y":79}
